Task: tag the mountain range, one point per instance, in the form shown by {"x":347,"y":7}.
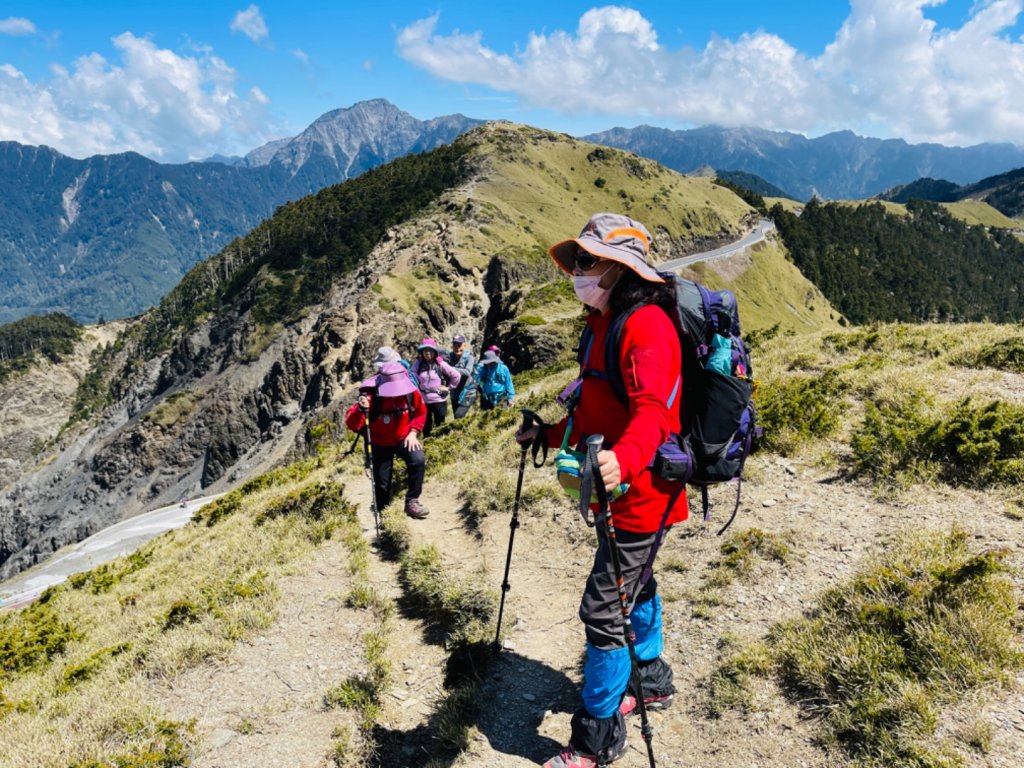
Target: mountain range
{"x":836,"y":166}
{"x":109,"y":235}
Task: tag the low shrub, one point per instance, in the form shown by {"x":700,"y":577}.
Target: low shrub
{"x":798,"y":408}
{"x":317,"y":504}
{"x":464,"y":610}
{"x":104,"y":577}
{"x":980,"y":445}
{"x":165,"y":744}
{"x":973,"y":445}
{"x":33,"y":636}
{"x":887,"y":443}
{"x":1005,"y":355}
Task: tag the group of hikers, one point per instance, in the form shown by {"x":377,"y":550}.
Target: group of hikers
{"x":608,"y":263}
{"x":403,"y":402}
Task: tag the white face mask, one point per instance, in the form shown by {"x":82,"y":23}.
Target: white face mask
{"x":589,"y":291}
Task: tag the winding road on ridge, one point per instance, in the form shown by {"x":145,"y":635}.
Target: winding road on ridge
{"x":125,"y":537}
{"x":764,"y":226}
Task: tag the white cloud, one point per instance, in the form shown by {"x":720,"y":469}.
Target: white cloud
{"x":16,"y":26}
{"x":157,"y":102}
{"x":302,"y":56}
{"x":889,"y":71}
{"x":250,"y":23}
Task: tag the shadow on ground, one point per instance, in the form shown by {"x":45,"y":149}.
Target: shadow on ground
{"x":511,"y":698}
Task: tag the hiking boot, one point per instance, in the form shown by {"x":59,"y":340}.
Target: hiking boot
{"x":415,"y":509}
{"x":570,"y":758}
{"x":653,"y":703}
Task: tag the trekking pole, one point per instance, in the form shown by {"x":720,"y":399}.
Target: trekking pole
{"x":594,"y":444}
{"x":368,"y":465}
{"x":529,"y":419}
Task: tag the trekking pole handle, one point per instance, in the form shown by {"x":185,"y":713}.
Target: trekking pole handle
{"x":538,"y":443}
{"x":529,"y":419}
{"x":597,"y":441}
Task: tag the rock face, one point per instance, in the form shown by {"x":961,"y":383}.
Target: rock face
{"x":209,"y":412}
{"x":37,"y":403}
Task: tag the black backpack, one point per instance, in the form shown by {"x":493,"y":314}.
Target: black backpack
{"x":719,"y":423}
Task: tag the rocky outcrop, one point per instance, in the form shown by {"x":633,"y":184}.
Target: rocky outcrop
{"x":211,"y":411}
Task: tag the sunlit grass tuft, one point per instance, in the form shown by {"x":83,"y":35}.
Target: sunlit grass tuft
{"x":884,"y":651}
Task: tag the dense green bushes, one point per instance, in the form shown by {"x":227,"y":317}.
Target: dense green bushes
{"x":800,"y":408}
{"x":908,"y":440}
{"x":1005,"y":355}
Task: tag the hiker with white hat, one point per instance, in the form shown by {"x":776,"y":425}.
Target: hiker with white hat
{"x":462,"y":359}
{"x":495,"y":381}
{"x":435,"y":379}
{"x":395,"y":412}
{"x":612,"y":278}
{"x":389,"y":355}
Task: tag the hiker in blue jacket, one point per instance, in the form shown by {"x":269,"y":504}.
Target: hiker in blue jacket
{"x":495,"y":382}
{"x":462,"y":359}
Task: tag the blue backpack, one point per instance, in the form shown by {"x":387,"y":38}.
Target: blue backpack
{"x":716,"y":410}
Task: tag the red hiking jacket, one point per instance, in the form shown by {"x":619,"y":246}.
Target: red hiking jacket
{"x":650,"y":361}
{"x":394,"y":421}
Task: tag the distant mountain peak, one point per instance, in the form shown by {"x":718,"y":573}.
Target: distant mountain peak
{"x":349,"y":136}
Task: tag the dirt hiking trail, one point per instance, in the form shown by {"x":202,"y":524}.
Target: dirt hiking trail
{"x":263,"y":706}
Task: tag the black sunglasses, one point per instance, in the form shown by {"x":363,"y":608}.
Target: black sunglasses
{"x":585,"y":260}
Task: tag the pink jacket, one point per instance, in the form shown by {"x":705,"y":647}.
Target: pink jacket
{"x":434,"y":378}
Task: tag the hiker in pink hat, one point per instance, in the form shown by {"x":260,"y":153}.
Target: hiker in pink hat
{"x":435,"y":378}
{"x":392,"y":406}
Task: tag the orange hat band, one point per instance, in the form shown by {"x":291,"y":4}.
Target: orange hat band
{"x":628,"y":232}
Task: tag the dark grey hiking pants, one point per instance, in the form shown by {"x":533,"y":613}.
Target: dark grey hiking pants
{"x":600,"y":611}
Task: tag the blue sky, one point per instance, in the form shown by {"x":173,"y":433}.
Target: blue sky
{"x":183,"y":80}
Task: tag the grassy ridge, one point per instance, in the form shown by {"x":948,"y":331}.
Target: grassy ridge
{"x":879,"y":658}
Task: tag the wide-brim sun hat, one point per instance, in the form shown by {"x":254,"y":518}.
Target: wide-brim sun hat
{"x":393,"y":381}
{"x":490,"y":356}
{"x":428,"y":344}
{"x":611,"y":236}
{"x":385,"y":355}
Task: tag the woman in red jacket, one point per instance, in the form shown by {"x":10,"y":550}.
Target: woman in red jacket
{"x":608,"y":264}
{"x":396,"y":414}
